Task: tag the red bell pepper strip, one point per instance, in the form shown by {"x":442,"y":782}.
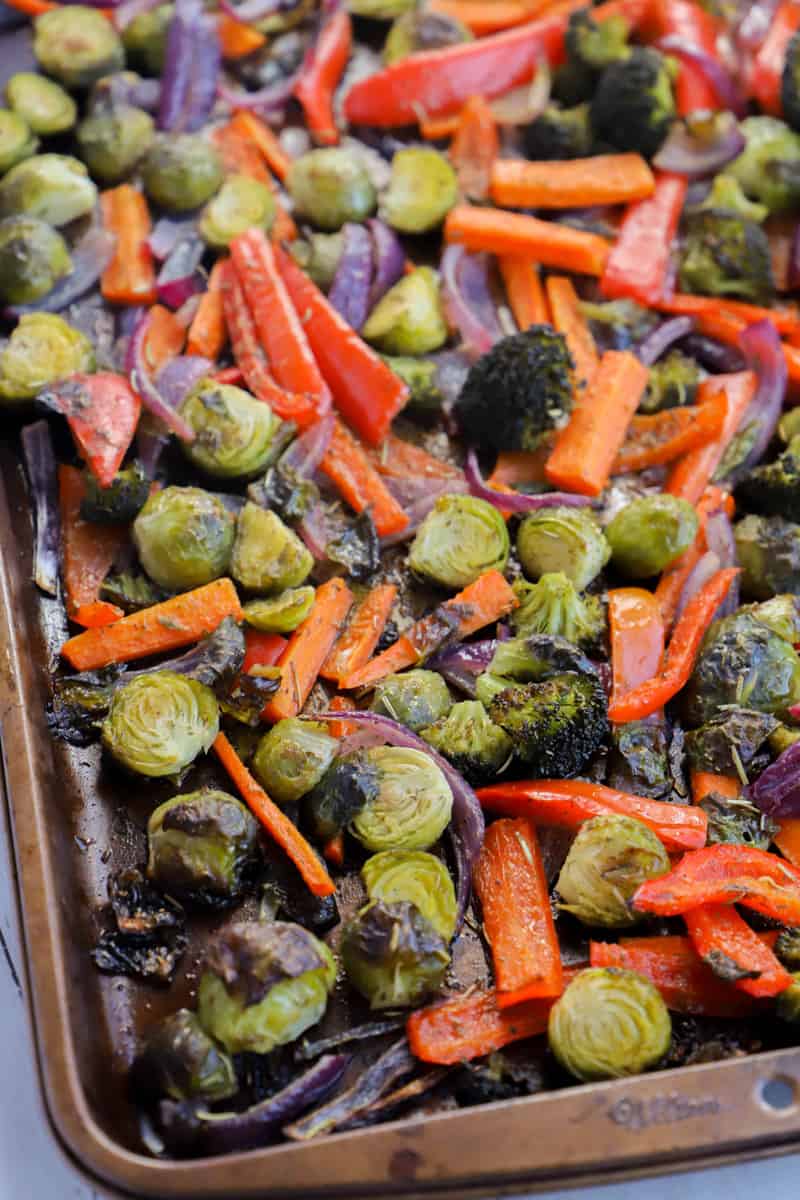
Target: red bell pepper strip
{"x":87,"y":554}
{"x":510,"y":882}
{"x":704,"y":783}
{"x":474,"y":148}
{"x":102,"y":412}
{"x":638,"y":264}
{"x":323,"y":68}
{"x":725,"y":874}
{"x":636,"y":629}
{"x":570,"y":802}
{"x":671,"y":584}
{"x":347,"y":466}
{"x":730,"y":947}
{"x":691,"y":22}
{"x":767,"y":67}
{"x":262,"y":649}
{"x":692,"y":474}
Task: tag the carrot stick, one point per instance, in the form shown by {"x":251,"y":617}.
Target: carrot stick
{"x":720,"y":936}
{"x":510,"y":882}
{"x":636,"y":630}
{"x":357,"y":643}
{"x":474,"y":148}
{"x":787,"y":839}
{"x":347,"y":466}
{"x":672,"y":582}
{"x":236,"y":39}
{"x":276,"y":823}
{"x":88,"y":551}
{"x":692,"y":474}
{"x":176,"y":622}
{"x":253,"y":128}
{"x":704,"y":783}
{"x":574,"y":183}
{"x":521,"y":466}
{"x":207,"y":334}
{"x":524,"y":290}
{"x":505,"y":233}
{"x":343,"y":728}
{"x":488,"y":599}
{"x":568,"y":319}
{"x":309,"y":646}
{"x":585,"y":450}
{"x":165,"y":338}
{"x":398,"y":459}
{"x":483,"y":19}
{"x":667,"y":435}
{"x":130,"y":277}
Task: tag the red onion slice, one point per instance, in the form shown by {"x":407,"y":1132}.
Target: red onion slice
{"x":718,"y":77}
{"x":763,"y":354}
{"x":686,"y":154}
{"x":524,"y":104}
{"x":467,"y":300}
{"x":776,"y":792}
{"x":173,"y":381}
{"x":179,"y":278}
{"x":388,"y":256}
{"x":306,"y":452}
{"x":167,"y":232}
{"x":90,"y":257}
{"x":41,"y":469}
{"x":461,"y":665}
{"x":662,"y":337}
{"x":515,"y":502}
{"x":142,"y":383}
{"x":713,"y":355}
{"x":193,"y":61}
{"x":350,"y":291}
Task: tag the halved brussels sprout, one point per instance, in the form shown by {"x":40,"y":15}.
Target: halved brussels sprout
{"x":234,"y":431}
{"x":45,"y":106}
{"x":650,"y":533}
{"x":422,"y":190}
{"x":460,"y":539}
{"x":268,"y":556}
{"x":16,"y":139}
{"x":121,"y":501}
{"x":56,"y":188}
{"x":331,"y":187}
{"x":768,"y":550}
{"x":392,"y":954}
{"x":319,"y":256}
{"x":414,"y":698}
{"x":181,"y":1061}
{"x":145,"y":39}
{"x":184,"y":537}
{"x":409,"y":319}
{"x":33,"y":257}
{"x":418,"y":877}
{"x":562,"y":539}
{"x":199,"y":845}
{"x":280,"y":614}
{"x":240,"y":204}
{"x":159,"y":723}
{"x":181,"y":171}
{"x":352,"y":782}
{"x":470,"y":740}
{"x":610,"y":857}
{"x":112,"y":143}
{"x":263,"y":985}
{"x":77,"y":45}
{"x":413,"y":806}
{"x":421,"y":376}
{"x":41,"y":349}
{"x":422,"y":29}
{"x":609,"y":1023}
{"x":292,"y":758}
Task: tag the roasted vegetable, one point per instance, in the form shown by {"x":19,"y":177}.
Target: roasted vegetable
{"x":412,"y":807}
{"x":553,"y":606}
{"x":729,"y":741}
{"x":559,"y":133}
{"x":618,"y":324}
{"x":392,"y":954}
{"x":181,"y":1061}
{"x":121,"y":502}
{"x":768,"y":550}
{"x":738,"y":821}
{"x":607,"y":861}
{"x":160,"y":722}
{"x":319,"y":256}
{"x":639,"y":761}
{"x":33,"y":257}
{"x":423,"y":29}
{"x":589,"y":47}
{"x":633,"y":106}
{"x":53,"y":187}
{"x":44,"y":106}
{"x":234,"y":431}
{"x":649,"y":533}
{"x":351,"y":782}
{"x":556,"y":725}
{"x":292,"y":758}
{"x":723,"y":254}
{"x":357,"y":549}
{"x":331,"y":187}
{"x":414,"y":698}
{"x":240,"y":204}
{"x":787,"y":1004}
{"x":470,"y":740}
{"x":726,"y":194}
{"x":409,"y":318}
{"x":181,"y":171}
{"x":564,"y":540}
{"x":768,"y":168}
{"x":673,"y":382}
{"x":42,"y":348}
{"x":790,"y":83}
{"x":281,"y":613}
{"x":421,"y":377}
{"x":461,"y":538}
{"x":17,"y":142}
{"x":422,"y":189}
{"x":774,"y":488}
{"x":787,"y":948}
{"x":145,"y":39}
{"x":417,"y":877}
{"x":149,"y":934}
{"x":267,"y":555}
{"x":111,"y":144}
{"x":530,"y":660}
{"x":184,"y":537}
{"x":77,"y":45}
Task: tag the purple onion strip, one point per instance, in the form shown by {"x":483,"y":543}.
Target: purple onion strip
{"x":461,"y":665}
{"x":379,"y":1076}
{"x":189,"y":80}
{"x":763,"y":354}
{"x":388,"y":256}
{"x":40,"y":465}
{"x":306,"y":452}
{"x":173,"y":381}
{"x":777,"y":790}
{"x":713,"y":355}
{"x":90,"y":257}
{"x":350,"y":290}
{"x":515,"y":502}
{"x":179,"y":278}
{"x":149,"y":393}
{"x":467,"y":300}
{"x":662,"y":337}
{"x":718,"y":77}
{"x":167,"y":233}
{"x":697,"y":157}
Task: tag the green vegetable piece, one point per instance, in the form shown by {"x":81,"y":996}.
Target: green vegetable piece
{"x":650,"y":533}
{"x":556,"y":725}
{"x":672,"y":383}
{"x":17,"y":142}
{"x":42,"y":348}
{"x":280,"y":614}
{"x":768,"y":168}
{"x":181,"y":171}
{"x":130,"y":591}
{"x":380,"y":10}
{"x":240,"y":204}
{"x":347,"y":786}
{"x":725,"y":255}
{"x":639,"y":761}
{"x":184,"y":537}
{"x":633,"y":106}
{"x":619,"y":324}
{"x":414,"y":698}
{"x":264,"y":984}
{"x":179,"y":1060}
{"x":145,"y":39}
{"x":774,"y":488}
{"x":610,"y":857}
{"x":199,"y":846}
{"x":608,"y":1024}
{"x":789,"y":425}
{"x":77,"y":45}
{"x":409,"y":319}
{"x":554,"y":606}
{"x":112,"y":143}
{"x":421,"y":29}
{"x":787,"y":947}
{"x":417,"y":877}
{"x":530,"y":660}
{"x":268,"y":556}
{"x":461,"y":538}
{"x":726,"y":194}
{"x":42,"y":104}
{"x":319,"y":257}
{"x":729,"y":742}
{"x":421,"y":377}
{"x":737,"y":821}
{"x":234,"y":431}
{"x":469,"y":739}
{"x":33,"y":257}
{"x":596,"y":45}
{"x":331,"y":187}
{"x":53,"y":187}
{"x":787,"y":1003}
{"x":559,"y":133}
{"x":412,"y":808}
{"x":121,"y":502}
{"x":781,"y":614}
{"x":160,"y":722}
{"x":768,"y":550}
{"x":422,"y":190}
{"x":292,"y":758}
{"x":564,"y":540}
{"x":393,"y":956}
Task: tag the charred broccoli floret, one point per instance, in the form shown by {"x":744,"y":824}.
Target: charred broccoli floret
{"x":470,"y":740}
{"x":559,"y":133}
{"x":556,"y":725}
{"x":517,"y":391}
{"x":553,"y":605}
{"x":773,"y":489}
{"x":618,"y":324}
{"x":726,"y":193}
{"x":790,"y":83}
{"x":673,"y":382}
{"x":769,"y":166}
{"x":590,"y":47}
{"x":633,"y":106}
{"x":768,"y":549}
{"x":725,"y":255}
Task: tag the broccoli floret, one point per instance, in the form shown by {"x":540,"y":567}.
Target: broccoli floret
{"x":768,"y":550}
{"x":120,"y":502}
{"x":633,"y":106}
{"x":618,"y":324}
{"x":737,"y":821}
{"x":725,"y":255}
{"x":790,"y":83}
{"x":517,"y":391}
{"x":774,"y":488}
{"x":554,"y":606}
{"x":769,"y":166}
{"x":672,"y":383}
{"x":556,"y":725}
{"x":559,"y":133}
{"x":530,"y":660}
{"x":726,"y":194}
{"x":470,"y":740}
{"x":590,"y":47}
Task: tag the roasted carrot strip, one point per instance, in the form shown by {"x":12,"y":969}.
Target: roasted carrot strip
{"x":521,"y":466}
{"x":506,"y":233}
{"x":165,"y":338}
{"x":347,"y":466}
{"x":574,"y":183}
{"x":706,"y":783}
{"x":483,"y":19}
{"x":725,"y":941}
{"x":636,"y":629}
{"x":308,"y":647}
{"x":787,"y":839}
{"x":207,"y":334}
{"x":474,"y":148}
{"x":568,"y":319}
{"x":88,"y":551}
{"x":253,"y":128}
{"x":130,"y":277}
{"x":357,"y":643}
{"x":667,"y":435}
{"x":236,"y":39}
{"x":343,"y":728}
{"x":672,"y":582}
{"x":398,"y":459}
{"x":524,"y":290}
{"x":692,"y":474}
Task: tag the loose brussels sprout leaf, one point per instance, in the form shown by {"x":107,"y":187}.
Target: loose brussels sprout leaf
{"x":121,"y":502}
{"x":53,"y":187}
{"x":413,"y":806}
{"x":149,"y":937}
{"x":409,"y":319}
{"x":184,"y":537}
{"x":469,"y":739}
{"x":247,"y":695}
{"x":112,"y":143}
{"x":768,"y":550}
{"x":282,"y":613}
{"x":42,"y":104}
{"x":17,"y":142}
{"x":331,"y":187}
{"x":554,"y":606}
{"x":357,"y":549}
{"x":417,"y":877}
{"x":180,"y":1060}
{"x":422,"y":190}
{"x":351,"y":782}
{"x":568,"y":540}
{"x":422,"y":29}
{"x":737,"y":821}
{"x":240,"y":204}
{"x":80,"y":703}
{"x":610,"y":857}
{"x":639,"y":760}
{"x":729,"y":742}
{"x":781,"y":614}
{"x":181,"y":171}
{"x":286,"y":494}
{"x":77,"y":45}
{"x":267,"y":555}
{"x":609,"y":1023}
{"x":292,"y":758}
{"x":392,"y":954}
{"x":159,"y":723}
{"x":461,"y":538}
{"x":42,"y":348}
{"x":263,"y":985}
{"x":33,"y":257}
{"x":234,"y":431}
{"x":289,"y":899}
{"x":743,"y":663}
{"x":145,"y":39}
{"x":414,"y":698}
{"x":650,"y":533}
{"x":200,"y":845}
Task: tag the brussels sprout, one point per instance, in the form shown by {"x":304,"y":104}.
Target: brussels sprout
{"x":787,"y":1003}
{"x":184,"y":537}
{"x":746,"y":663}
{"x":782,"y":738}
{"x":240,"y":204}
{"x":199,"y":846}
{"x":562,"y":539}
{"x":331,"y":187}
{"x":112,"y":143}
{"x":780,"y":614}
{"x":53,"y":187}
{"x":787,"y":947}
{"x":422,"y":190}
{"x":789,"y":425}
{"x":409,"y":319}
{"x":610,"y":857}
{"x":650,"y":533}
{"x":267,"y":555}
{"x":352,"y":782}
{"x":609,"y":1023}
{"x":159,"y":723}
{"x":280,"y":614}
{"x":292,"y":758}
{"x":33,"y":257}
{"x":77,"y":45}
{"x":460,"y":539}
{"x":421,"y":376}
{"x":234,"y":431}
{"x":729,"y":742}
{"x":639,"y":759}
{"x":41,"y":349}
{"x":263,"y":985}
{"x":422,"y":29}
{"x":180,"y":1060}
{"x":413,"y":805}
{"x":415,"y":876}
{"x":16,"y":140}
{"x":414,"y":698}
{"x":121,"y":501}
{"x":380,"y":10}
{"x":734,"y":820}
{"x":181,"y":171}
{"x":768,"y":550}
{"x":145,"y":39}
{"x":470,"y":740}
{"x":319,"y":257}
{"x":45,"y":106}
{"x":392,"y":954}
{"x":553,"y":606}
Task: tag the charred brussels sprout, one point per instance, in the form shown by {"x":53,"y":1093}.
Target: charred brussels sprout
{"x":199,"y":846}
{"x":181,"y":171}
{"x":422,"y":190}
{"x":633,"y":106}
{"x":650,"y":533}
{"x":768,"y":550}
{"x":112,"y":143}
{"x":42,"y":349}
{"x":409,"y":319}
{"x":347,"y":786}
{"x":77,"y":45}
{"x":420,"y":878}
{"x":16,"y":139}
{"x":555,"y":725}
{"x":609,"y":1023}
{"x":723,"y":254}
{"x":743,"y":662}
{"x":471,"y":741}
{"x":33,"y":257}
{"x":331,"y":187}
{"x":145,"y":39}
{"x":787,"y":948}
{"x":184,"y":537}
{"x":263,"y":985}
{"x":180,"y":1060}
{"x":267,"y":555}
{"x":737,"y":821}
{"x":768,"y":168}
{"x":774,"y":488}
{"x":42,"y":104}
{"x":53,"y":187}
{"x":280,"y":614}
{"x":392,"y":954}
{"x":413,"y":804}
{"x":554,"y":606}
{"x":292,"y":758}
{"x":672,"y":383}
{"x":559,"y":133}
{"x":159,"y":723}
{"x":460,"y":539}
{"x":119,"y":503}
{"x":639,"y":760}
{"x":610,"y":857}
{"x":240,"y":204}
{"x":234,"y":432}
{"x":414,"y":698}
{"x":728,"y":743}
{"x":422,"y":29}
{"x":565,"y":540}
